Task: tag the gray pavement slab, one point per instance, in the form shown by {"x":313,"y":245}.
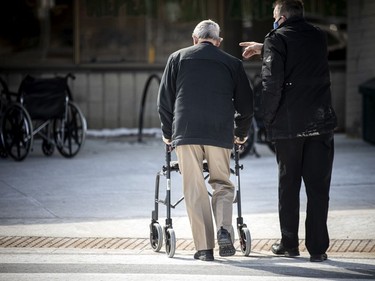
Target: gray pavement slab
{"x":107,"y":191}
{"x":114,"y":265}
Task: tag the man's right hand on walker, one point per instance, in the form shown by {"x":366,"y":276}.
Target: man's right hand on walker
{"x":252,"y":49}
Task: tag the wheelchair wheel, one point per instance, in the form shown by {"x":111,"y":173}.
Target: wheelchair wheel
{"x":70,"y":131}
{"x":156,"y":237}
{"x":245,"y":241}
{"x":48,"y":148}
{"x":3,"y":152}
{"x":17,"y":131}
{"x":170,"y":242}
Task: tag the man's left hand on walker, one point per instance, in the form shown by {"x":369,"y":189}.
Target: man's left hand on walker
{"x":240,"y":140}
{"x":167,"y":141}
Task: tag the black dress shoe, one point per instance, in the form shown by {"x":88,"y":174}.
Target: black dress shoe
{"x":318,"y":258}
{"x":224,"y":240}
{"x":204,"y":255}
{"x":279,"y":249}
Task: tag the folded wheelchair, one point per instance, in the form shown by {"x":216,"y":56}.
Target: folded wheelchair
{"x":157,"y":232}
{"x":42,"y":107}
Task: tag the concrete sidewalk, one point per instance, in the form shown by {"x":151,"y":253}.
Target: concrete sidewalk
{"x":87,"y":218}
{"x":107,"y":190}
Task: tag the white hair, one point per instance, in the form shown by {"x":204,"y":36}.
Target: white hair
{"x":207,"y":29}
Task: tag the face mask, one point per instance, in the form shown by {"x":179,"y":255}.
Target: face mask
{"x":276,"y":23}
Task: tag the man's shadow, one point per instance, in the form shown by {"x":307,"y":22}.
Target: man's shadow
{"x":332,"y":268}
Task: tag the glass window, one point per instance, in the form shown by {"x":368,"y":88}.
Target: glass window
{"x":142,"y":31}
{"x":66,"y":32}
{"x":33,"y":31}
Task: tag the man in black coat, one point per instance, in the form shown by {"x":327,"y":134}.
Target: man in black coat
{"x":205,"y":104}
{"x":299,"y":119}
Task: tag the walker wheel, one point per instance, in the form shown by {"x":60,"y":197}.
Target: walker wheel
{"x":170,"y":242}
{"x":245,"y":241}
{"x":156,"y":237}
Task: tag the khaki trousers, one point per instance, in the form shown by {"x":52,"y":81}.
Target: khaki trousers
{"x":190,"y":158}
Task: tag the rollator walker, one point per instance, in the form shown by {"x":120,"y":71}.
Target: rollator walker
{"x":157,"y":232}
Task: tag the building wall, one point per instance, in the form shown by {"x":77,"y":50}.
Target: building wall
{"x":360,"y":59}
{"x":111,"y":98}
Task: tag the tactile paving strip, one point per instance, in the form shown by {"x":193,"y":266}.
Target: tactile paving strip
{"x":336,"y":245}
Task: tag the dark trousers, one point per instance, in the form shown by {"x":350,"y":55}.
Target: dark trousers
{"x":309,"y":159}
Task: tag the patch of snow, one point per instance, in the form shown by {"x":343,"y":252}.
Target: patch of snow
{"x":120,"y":132}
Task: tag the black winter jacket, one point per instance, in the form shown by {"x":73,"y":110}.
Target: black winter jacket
{"x":296,"y":96}
{"x":201,"y":89}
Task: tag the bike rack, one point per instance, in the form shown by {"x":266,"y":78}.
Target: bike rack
{"x":144,"y":96}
